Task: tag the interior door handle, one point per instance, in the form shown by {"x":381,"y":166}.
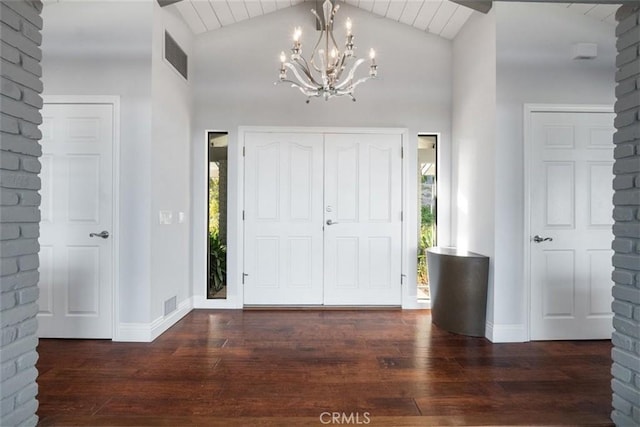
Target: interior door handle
{"x":103,"y":234}
{"x":330,"y":222}
{"x":539,"y":239}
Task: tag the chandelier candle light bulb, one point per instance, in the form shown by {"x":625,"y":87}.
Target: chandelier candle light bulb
{"x":336,"y":69}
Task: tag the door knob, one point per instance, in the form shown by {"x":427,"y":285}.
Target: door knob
{"x":539,"y":239}
{"x":103,"y":234}
{"x":330,"y":222}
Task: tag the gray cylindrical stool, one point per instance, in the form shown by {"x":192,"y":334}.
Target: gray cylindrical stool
{"x":458,"y":285}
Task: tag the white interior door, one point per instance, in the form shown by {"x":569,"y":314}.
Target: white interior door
{"x":283,"y":219}
{"x":76,"y":282}
{"x":571,"y":203}
{"x":294,"y":184}
{"x":363,"y":205}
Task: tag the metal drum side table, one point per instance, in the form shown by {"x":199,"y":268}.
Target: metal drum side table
{"x":458,"y":283}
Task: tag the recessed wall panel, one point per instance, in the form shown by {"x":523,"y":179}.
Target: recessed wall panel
{"x":600,"y":194}
{"x":559,"y":283}
{"x":347,"y":262}
{"x":379,"y":264}
{"x":560,"y":199}
{"x":83,"y":287}
{"x":301,"y":168}
{"x":300,"y":262}
{"x":600,"y":283}
{"x":380,"y":184}
{"x":347,"y":190}
{"x":46,"y":177}
{"x":84,"y":129}
{"x":268,"y":182}
{"x":267,"y":262}
{"x":559,"y":136}
{"x":601,"y":137}
{"x":84,"y":194}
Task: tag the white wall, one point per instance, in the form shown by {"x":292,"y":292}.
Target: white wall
{"x":473,"y":130}
{"x":116,"y":48}
{"x":235,"y":71}
{"x":170,"y":166}
{"x":77,"y":60}
{"x":534,"y":65}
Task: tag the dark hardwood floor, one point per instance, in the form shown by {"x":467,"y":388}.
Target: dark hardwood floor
{"x":287,"y":368}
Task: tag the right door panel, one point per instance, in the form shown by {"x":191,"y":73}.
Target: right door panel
{"x":362,"y":210}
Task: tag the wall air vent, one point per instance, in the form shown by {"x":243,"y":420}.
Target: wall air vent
{"x":175,"y":55}
{"x":170,"y":305}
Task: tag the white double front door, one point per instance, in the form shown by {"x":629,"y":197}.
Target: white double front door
{"x":571,"y":219}
{"x":322,"y":219}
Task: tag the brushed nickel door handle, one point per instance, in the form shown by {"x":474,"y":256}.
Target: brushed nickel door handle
{"x":103,"y":234}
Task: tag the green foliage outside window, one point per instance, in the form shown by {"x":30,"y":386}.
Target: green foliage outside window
{"x":214,"y":206}
{"x":427,"y":240}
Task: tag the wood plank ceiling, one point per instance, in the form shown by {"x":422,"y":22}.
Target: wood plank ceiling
{"x":440,"y":17}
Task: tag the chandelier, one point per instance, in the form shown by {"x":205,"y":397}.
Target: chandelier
{"x":329,"y":71}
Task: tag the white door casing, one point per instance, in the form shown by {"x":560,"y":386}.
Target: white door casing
{"x":363,"y":204}
{"x":570,"y":181}
{"x":77,"y":272}
{"x":292,"y":188}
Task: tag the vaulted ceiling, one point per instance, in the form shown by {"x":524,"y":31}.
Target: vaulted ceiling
{"x":440,"y":17}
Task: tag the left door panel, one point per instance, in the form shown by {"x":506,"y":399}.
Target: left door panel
{"x":283,"y":219}
{"x":76,"y":270}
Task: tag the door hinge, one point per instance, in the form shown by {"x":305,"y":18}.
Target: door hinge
{"x":243,"y":215}
{"x":401,"y":216}
{"x":244,"y":151}
{"x":402,"y":276}
{"x":402,"y":152}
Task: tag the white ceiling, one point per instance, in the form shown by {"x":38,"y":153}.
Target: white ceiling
{"x":439,"y":17}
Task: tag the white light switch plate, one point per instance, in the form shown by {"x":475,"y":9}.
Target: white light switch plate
{"x":165,"y":217}
{"x":180,"y":217}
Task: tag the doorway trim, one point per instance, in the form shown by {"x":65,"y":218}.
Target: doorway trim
{"x":235,"y":257}
{"x":114,"y":102}
{"x":529,"y":109}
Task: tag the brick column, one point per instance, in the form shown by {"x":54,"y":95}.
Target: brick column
{"x":20,"y":86}
{"x":626,"y":199}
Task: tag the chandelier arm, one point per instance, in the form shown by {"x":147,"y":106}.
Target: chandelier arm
{"x":304,"y":67}
{"x":306,"y":92}
{"x":333,"y":40}
{"x":353,"y":86}
{"x":352,"y":72}
{"x":302,"y":89}
{"x":340,"y":66}
{"x":302,"y":82}
{"x":315,"y":48}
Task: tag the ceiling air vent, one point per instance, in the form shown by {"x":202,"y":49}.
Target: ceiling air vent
{"x":175,"y":55}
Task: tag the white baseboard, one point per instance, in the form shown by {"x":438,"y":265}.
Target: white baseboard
{"x":147,"y":332}
{"x":133,"y":332}
{"x":163,"y":323}
{"x":506,"y":333}
{"x":231,"y":303}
